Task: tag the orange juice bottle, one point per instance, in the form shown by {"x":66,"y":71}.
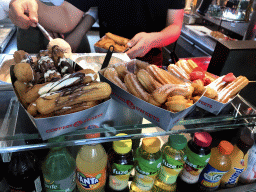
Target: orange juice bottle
{"x":239,"y":158}
{"x":91,"y":165}
{"x":219,"y":164}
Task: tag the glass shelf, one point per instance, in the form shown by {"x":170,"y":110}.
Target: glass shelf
{"x":238,"y":114}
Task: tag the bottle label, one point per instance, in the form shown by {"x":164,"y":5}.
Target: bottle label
{"x":91,"y":181}
{"x":249,"y":175}
{"x":239,"y":164}
{"x":64,"y":185}
{"x":210,"y":177}
{"x":146,"y":172}
{"x":37,"y":187}
{"x":118,"y":180}
{"x":170,"y":169}
{"x":194,"y":165}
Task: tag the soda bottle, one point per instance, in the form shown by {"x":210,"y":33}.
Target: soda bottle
{"x":91,"y":163}
{"x":173,"y":162}
{"x":23,"y":173}
{"x":59,"y":169}
{"x":249,"y":175}
{"x":120,"y":165}
{"x":219,"y":164}
{"x":148,"y":160}
{"x":198,"y":154}
{"x":239,"y":158}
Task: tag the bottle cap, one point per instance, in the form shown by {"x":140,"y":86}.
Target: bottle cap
{"x":151,"y":144}
{"x":203,"y":139}
{"x":225,"y":147}
{"x":93,"y":135}
{"x":122,"y":146}
{"x":177,"y":141}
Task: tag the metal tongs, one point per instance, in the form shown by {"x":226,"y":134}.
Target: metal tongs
{"x":46,"y":34}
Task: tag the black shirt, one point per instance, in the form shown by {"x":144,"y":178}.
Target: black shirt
{"x":129,"y":17}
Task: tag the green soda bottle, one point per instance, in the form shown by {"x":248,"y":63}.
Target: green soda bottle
{"x":148,"y":160}
{"x":173,"y":162}
{"x":59,"y":169}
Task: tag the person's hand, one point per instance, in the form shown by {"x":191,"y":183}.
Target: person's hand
{"x":23,"y":13}
{"x":141,"y":44}
{"x":55,"y":35}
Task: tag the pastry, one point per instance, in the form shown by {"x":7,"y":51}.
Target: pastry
{"x":121,"y":70}
{"x":164,"y":77}
{"x":21,"y":56}
{"x":134,"y":87}
{"x":198,"y":87}
{"x":54,"y":101}
{"x":174,"y":69}
{"x":112,"y":75}
{"x":117,"y":39}
{"x":32,"y":93}
{"x":21,"y":88}
{"x":32,"y":109}
{"x":210,"y":93}
{"x":186,"y":65}
{"x":232,"y":89}
{"x":81,"y":77}
{"x":147,"y":81}
{"x":161,"y":94}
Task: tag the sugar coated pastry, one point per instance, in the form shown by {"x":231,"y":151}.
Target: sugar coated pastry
{"x":161,"y":94}
{"x":134,"y":87}
{"x":121,"y":70}
{"x":147,"y":81}
{"x":198,"y":87}
{"x":54,"y":101}
{"x":186,"y":65}
{"x":210,"y":93}
{"x":164,"y":77}
{"x":174,"y":69}
{"x":176,"y":105}
{"x":32,"y":93}
{"x":112,"y":75}
{"x":117,"y":39}
{"x":232,"y":89}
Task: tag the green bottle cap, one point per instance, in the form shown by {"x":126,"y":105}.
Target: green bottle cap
{"x":177,"y":141}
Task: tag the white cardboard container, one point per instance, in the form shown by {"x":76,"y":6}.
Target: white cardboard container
{"x":58,"y":125}
{"x":158,"y":116}
{"x":211,"y":105}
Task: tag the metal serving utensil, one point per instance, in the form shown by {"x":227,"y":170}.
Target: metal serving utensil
{"x":46,"y":34}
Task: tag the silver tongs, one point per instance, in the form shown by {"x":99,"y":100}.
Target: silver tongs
{"x":46,"y":34}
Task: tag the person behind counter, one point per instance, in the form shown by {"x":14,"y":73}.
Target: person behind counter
{"x":30,"y":38}
{"x":149,"y":24}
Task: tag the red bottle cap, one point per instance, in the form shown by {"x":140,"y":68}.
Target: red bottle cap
{"x":203,"y":139}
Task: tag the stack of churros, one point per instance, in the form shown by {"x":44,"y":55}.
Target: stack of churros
{"x":152,"y":84}
{"x":119,"y":43}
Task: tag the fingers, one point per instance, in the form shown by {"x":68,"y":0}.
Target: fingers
{"x":135,"y":39}
{"x":32,"y":7}
{"x":23,"y":13}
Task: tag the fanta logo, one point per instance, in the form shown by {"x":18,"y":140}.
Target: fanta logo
{"x":87,"y":182}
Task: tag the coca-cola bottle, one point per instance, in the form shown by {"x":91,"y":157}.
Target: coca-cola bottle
{"x":23,"y":174}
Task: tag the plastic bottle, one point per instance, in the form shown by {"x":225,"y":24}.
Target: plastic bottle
{"x":23,"y":173}
{"x":219,"y":164}
{"x":91,"y":162}
{"x":148,"y":160}
{"x":120,"y":165}
{"x":173,"y":163}
{"x":198,"y":155}
{"x":59,"y":169}
{"x":249,"y":175}
{"x":239,"y":158}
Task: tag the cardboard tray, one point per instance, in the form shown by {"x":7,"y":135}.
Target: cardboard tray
{"x":58,"y":125}
{"x":158,"y":116}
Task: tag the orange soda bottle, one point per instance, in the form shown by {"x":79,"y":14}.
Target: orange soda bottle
{"x":219,"y":164}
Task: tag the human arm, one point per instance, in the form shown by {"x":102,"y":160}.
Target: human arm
{"x":143,"y":42}
{"x":75,"y":37}
{"x":61,"y":19}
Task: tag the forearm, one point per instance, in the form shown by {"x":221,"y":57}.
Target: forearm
{"x":60,"y":19}
{"x":75,"y":37}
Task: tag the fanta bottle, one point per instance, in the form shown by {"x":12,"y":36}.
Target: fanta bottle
{"x":239,"y":158}
{"x":148,"y":160}
{"x":219,"y":164}
{"x":173,"y":162}
{"x":91,"y":163}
